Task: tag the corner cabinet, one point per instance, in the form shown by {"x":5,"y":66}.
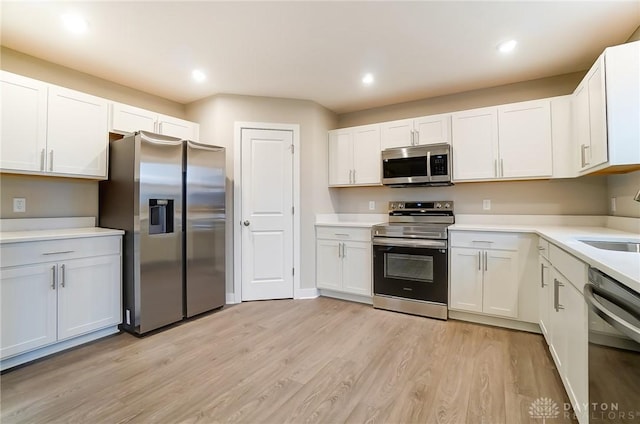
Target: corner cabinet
{"x":50,"y":130}
{"x":57,"y":293}
{"x":344,"y":260}
{"x":126,"y":119}
{"x":485,"y":274}
{"x":606,"y":107}
{"x":354,"y":156}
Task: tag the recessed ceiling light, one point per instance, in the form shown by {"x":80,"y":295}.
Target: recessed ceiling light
{"x":75,"y":23}
{"x":198,"y":75}
{"x":507,"y":46}
{"x":367,"y":79}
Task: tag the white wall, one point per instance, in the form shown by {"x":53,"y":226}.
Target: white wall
{"x":217,"y":116}
{"x":580,"y":196}
{"x":624,"y":187}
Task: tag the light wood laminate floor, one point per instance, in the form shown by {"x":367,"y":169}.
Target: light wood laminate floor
{"x":297,"y":361}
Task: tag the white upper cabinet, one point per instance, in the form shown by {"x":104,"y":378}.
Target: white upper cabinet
{"x":413,"y":132}
{"x":127,"y":119}
{"x":524,"y":139}
{"x":52,"y":130}
{"x":565,"y":164}
{"x":475,"y":144}
{"x":432,"y":129}
{"x":179,"y":128}
{"x":23,"y":129}
{"x":354,"y":156}
{"x":507,"y":142}
{"x":606,"y":106}
{"x":77,"y":133}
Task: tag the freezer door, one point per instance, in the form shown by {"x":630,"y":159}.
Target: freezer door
{"x":205,"y":227}
{"x":159,"y":301}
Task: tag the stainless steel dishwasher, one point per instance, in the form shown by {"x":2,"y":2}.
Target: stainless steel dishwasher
{"x":614,"y":350}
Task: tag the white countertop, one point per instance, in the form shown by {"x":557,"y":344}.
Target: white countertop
{"x":38,"y":229}
{"x":55,"y":234}
{"x":623,"y":266}
{"x":351,"y":220}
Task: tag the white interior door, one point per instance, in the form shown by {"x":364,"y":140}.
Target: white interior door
{"x":267,"y":214}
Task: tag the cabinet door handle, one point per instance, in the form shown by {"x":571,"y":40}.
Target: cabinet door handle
{"x":583,"y":154}
{"x":59,"y":252}
{"x":159,"y":127}
{"x":479,"y":261}
{"x":502,"y":167}
{"x":344,"y":252}
{"x":542,"y":284}
{"x":485,"y":260}
{"x":354,"y":176}
{"x":556,"y":295}
{"x":42,"y":153}
{"x":339,"y":250}
{"x":51,"y":160}
{"x":350,"y":177}
{"x":53,"y":277}
{"x":495,"y":166}
{"x":62,"y":278}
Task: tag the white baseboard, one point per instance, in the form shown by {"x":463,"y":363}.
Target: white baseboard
{"x":55,"y":348}
{"x":346,"y":296}
{"x":495,"y":321}
{"x":311,"y":293}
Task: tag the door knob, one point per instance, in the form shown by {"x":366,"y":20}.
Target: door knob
{"x":246,"y":223}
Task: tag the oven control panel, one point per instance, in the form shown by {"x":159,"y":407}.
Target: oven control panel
{"x":442,"y":205}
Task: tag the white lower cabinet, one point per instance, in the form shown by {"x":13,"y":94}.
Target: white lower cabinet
{"x":343,"y":260}
{"x":73,"y":291}
{"x":485,"y":280}
{"x":484,"y":273}
{"x":564,"y":318}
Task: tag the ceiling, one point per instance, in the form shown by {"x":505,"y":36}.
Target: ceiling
{"x":320,"y":50}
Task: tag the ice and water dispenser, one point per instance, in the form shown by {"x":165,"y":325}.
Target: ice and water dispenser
{"x":160,"y":216}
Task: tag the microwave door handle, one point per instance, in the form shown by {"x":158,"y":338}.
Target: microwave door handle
{"x":429,"y":165}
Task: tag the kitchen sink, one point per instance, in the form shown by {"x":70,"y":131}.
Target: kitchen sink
{"x":620,"y":246}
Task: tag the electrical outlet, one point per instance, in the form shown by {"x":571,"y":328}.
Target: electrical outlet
{"x":613,"y":204}
{"x":372,"y":205}
{"x":19,"y":204}
{"x":486,"y":205}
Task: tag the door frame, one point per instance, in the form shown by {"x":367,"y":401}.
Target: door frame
{"x":236,"y":297}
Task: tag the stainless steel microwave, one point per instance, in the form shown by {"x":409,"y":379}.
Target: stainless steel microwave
{"x":428,"y":165}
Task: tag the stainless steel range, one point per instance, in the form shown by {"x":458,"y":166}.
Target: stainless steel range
{"x":410,"y":260}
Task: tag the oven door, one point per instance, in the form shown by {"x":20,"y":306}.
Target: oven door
{"x":410,"y":269}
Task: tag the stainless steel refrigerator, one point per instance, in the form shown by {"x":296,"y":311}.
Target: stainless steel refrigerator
{"x":168,"y":196}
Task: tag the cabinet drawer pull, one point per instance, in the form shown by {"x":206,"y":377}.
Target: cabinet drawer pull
{"x":53,"y":277}
{"x":481,"y":241}
{"x":341,"y":234}
{"x":62,"y":278}
{"x":541,"y":248}
{"x":59,"y":253}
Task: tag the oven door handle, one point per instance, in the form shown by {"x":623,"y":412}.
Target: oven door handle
{"x":607,"y":315}
{"x":427,"y":244}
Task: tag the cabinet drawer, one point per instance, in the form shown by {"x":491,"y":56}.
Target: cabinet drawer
{"x":543,"y":247}
{"x":484,"y":240}
{"x":58,"y":250}
{"x":343,"y":233}
{"x":569,"y":266}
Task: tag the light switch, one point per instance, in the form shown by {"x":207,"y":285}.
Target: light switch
{"x":372,"y":205}
{"x":486,"y":205}
{"x":19,"y":204}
